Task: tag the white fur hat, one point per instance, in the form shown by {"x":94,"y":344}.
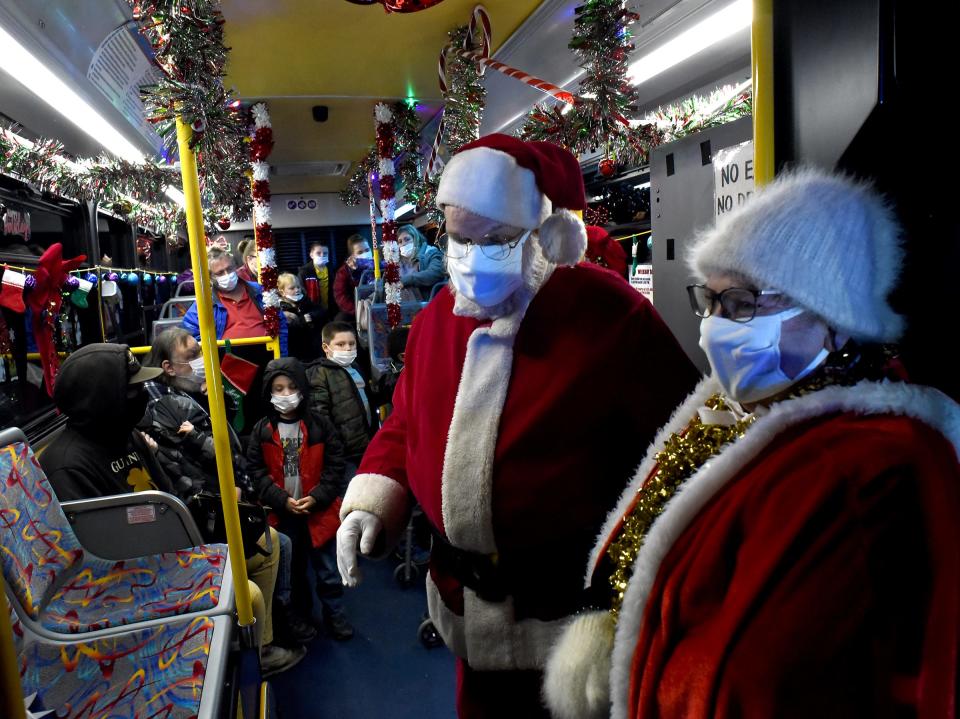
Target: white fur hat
{"x":529,"y":185}
{"x":830,"y":243}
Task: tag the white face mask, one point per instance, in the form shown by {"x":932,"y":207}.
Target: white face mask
{"x":227,"y":282}
{"x":197,"y":366}
{"x":285,"y":402}
{"x":320,"y":260}
{"x":745,"y":356}
{"x":488,"y":282}
{"x":408,"y":249}
{"x":296,"y":297}
{"x":344,"y":358}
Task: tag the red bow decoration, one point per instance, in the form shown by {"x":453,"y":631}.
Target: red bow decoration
{"x":44,"y":301}
{"x":400,"y":5}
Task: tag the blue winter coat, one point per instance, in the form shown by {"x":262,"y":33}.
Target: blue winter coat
{"x":191,"y":322}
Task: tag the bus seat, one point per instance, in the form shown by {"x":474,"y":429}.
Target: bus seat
{"x":379,"y":328}
{"x":176,"y":307}
{"x":170,"y":669}
{"x":125,"y":526}
{"x":64,"y":589}
{"x":162,"y":325}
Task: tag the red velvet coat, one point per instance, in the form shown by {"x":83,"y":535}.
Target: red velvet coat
{"x":812,"y":569}
{"x":593,"y":373}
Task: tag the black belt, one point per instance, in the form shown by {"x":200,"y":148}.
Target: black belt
{"x":478,"y":572}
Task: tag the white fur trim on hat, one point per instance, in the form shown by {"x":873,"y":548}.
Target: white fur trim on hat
{"x":490,"y":183}
{"x":830,"y":243}
{"x":563,"y":238}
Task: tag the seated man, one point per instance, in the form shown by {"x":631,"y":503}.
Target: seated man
{"x":237,"y":305}
{"x":100,"y":389}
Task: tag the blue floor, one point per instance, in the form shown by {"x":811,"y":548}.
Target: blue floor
{"x":384,"y":671}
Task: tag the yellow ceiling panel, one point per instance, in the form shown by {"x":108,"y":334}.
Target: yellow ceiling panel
{"x":334,"y":47}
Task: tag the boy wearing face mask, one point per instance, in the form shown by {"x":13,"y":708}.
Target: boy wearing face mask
{"x":315,"y":278}
{"x":338,"y":390}
{"x":351,"y":272}
{"x":304,"y":318}
{"x":296,"y":460}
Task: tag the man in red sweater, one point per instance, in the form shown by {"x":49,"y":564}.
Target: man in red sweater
{"x":529,"y":391}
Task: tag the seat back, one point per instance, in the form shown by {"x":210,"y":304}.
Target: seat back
{"x":176,"y":307}
{"x":38,"y":549}
{"x":160,"y":326}
{"x":380,"y":328}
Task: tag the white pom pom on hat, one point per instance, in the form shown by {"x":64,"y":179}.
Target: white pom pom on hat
{"x":529,"y":185}
{"x":829,"y":242}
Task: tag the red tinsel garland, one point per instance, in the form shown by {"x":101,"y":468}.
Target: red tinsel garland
{"x":391,"y":250}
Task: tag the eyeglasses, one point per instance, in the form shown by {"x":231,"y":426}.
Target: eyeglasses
{"x":738,"y":303}
{"x":493,"y":247}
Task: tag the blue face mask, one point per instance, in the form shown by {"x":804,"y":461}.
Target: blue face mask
{"x":364,"y":263}
{"x":745,"y":356}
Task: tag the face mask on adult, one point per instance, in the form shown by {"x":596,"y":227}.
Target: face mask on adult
{"x":344,"y":358}
{"x":408,"y":249}
{"x":227,"y":282}
{"x":285,"y":402}
{"x":745,"y":356}
{"x":487,"y":282}
{"x":196,"y":365}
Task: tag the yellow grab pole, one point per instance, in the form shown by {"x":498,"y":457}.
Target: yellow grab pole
{"x":11,"y":693}
{"x":211,"y":364}
{"x":761,"y":61}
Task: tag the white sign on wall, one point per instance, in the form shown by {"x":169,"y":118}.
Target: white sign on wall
{"x":733,"y":177}
{"x":642,"y":280}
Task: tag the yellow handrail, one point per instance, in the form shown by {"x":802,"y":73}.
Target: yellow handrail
{"x":211,"y":364}
{"x":11,"y":693}
{"x":761,"y":61}
{"x":271,"y":344}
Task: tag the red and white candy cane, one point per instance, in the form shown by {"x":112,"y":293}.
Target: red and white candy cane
{"x":479,"y":32}
{"x":542,"y":85}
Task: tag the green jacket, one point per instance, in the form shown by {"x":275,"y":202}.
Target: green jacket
{"x":334,"y":393}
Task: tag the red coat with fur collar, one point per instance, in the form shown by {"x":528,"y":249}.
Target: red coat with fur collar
{"x":593,"y":373}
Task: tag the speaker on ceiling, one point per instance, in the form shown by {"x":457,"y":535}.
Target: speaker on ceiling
{"x":320,"y":113}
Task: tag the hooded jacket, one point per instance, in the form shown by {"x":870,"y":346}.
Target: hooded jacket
{"x":429,"y":270}
{"x":99,"y":453}
{"x":321,"y":453}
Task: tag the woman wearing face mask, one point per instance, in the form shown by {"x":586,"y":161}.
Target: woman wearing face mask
{"x":789,"y":545}
{"x":359,"y":263}
{"x":304,"y":318}
{"x":421,"y":266}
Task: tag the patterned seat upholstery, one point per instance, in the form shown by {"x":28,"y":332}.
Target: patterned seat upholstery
{"x":71,"y":591}
{"x":151,"y":672}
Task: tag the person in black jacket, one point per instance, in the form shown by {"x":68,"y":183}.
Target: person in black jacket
{"x":100,"y":389}
{"x":296,"y":460}
{"x":304,"y":318}
{"x":338,"y":390}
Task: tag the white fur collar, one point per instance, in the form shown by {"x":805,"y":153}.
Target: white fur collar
{"x":925,"y":404}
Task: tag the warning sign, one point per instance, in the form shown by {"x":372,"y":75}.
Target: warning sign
{"x":733,"y":177}
{"x":642,"y":280}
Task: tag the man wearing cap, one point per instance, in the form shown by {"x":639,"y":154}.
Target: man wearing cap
{"x":100,"y":389}
{"x":529,"y":389}
{"x":802,"y":560}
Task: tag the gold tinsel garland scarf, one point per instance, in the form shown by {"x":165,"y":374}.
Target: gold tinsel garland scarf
{"x":682,"y":455}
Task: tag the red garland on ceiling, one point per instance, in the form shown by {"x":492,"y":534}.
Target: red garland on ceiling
{"x":399,"y":5}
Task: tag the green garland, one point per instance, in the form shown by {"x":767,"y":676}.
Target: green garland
{"x":187,"y":41}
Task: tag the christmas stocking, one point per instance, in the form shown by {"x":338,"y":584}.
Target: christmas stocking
{"x":79,"y":295}
{"x":11,"y":295}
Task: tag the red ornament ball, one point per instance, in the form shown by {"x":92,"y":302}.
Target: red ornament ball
{"x":607,"y":167}
{"x":224,"y":223}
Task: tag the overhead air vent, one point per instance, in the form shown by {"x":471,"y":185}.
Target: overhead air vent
{"x":325,"y":168}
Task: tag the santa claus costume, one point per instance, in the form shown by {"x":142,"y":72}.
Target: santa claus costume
{"x":516,"y":425}
{"x":802,"y":560}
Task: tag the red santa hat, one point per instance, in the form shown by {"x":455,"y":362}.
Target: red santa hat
{"x":605,"y":251}
{"x":530,"y":185}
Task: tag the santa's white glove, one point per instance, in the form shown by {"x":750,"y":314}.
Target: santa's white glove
{"x":358,"y":527}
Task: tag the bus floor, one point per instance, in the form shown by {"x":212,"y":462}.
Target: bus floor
{"x":384,"y":671}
